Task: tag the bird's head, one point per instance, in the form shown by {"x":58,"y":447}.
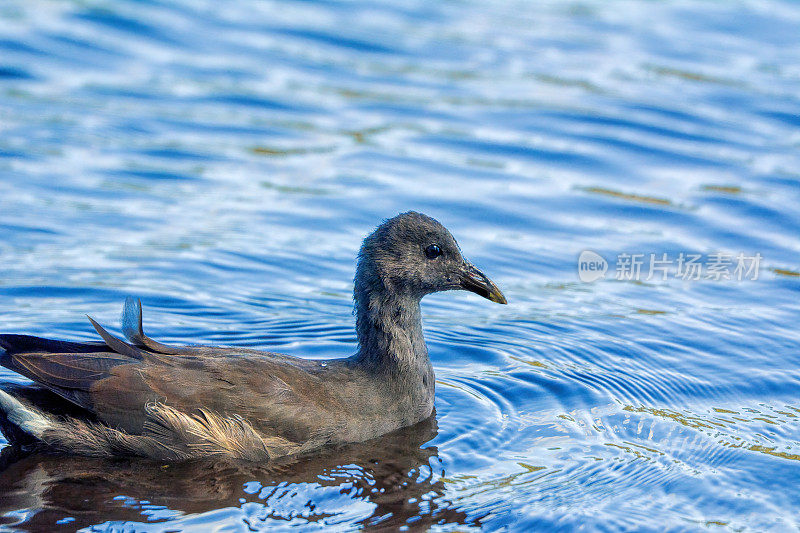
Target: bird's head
{"x":413,"y":255}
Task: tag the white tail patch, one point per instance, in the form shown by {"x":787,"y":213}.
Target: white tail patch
{"x":27,"y":419}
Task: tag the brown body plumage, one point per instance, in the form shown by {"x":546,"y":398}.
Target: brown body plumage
{"x":145,"y":398}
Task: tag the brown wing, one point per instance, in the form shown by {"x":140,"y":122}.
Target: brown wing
{"x":71,"y":369}
{"x":277,"y":398}
{"x":116,"y":380}
{"x":67,"y":368}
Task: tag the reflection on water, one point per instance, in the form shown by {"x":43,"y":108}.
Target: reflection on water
{"x":397,"y":480}
{"x":223,"y":160}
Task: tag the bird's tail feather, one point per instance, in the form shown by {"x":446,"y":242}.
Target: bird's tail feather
{"x":26,"y":425}
{"x":29,"y":420}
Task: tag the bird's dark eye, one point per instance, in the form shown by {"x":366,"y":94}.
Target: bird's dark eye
{"x":433,"y":251}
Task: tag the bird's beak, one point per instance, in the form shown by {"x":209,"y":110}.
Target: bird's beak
{"x":476,"y":281}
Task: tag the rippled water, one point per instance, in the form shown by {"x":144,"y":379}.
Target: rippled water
{"x":223,"y":161}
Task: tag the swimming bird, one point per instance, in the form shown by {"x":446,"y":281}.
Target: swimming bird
{"x":144,"y":398}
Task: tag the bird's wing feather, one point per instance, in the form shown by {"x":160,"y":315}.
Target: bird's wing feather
{"x":70,"y":369}
{"x":66,"y":368}
{"x":132,"y":328}
{"x":28,"y":343}
{"x":280,"y":399}
{"x":116,"y":381}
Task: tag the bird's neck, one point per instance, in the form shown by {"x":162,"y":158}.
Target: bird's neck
{"x":392,"y":350}
{"x":389,"y":328}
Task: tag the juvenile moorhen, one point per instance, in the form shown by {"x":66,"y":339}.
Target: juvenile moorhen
{"x":173,"y":403}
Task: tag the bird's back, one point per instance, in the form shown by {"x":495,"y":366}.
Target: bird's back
{"x":189,"y":401}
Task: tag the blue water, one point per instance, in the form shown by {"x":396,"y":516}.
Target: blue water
{"x":223,"y":161}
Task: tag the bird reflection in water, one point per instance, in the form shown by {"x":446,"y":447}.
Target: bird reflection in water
{"x":397,"y":475}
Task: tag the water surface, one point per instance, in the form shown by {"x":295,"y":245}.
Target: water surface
{"x":223,"y":161}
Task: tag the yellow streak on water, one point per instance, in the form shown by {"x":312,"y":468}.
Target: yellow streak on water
{"x":628,"y":196}
{"x":697,"y":422}
{"x":505,"y":481}
{"x":771,"y":451}
{"x":284,"y":152}
{"x":685,"y":420}
{"x":784,"y":272}
{"x":530,"y":362}
{"x":692,"y":76}
{"x":729,"y":189}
